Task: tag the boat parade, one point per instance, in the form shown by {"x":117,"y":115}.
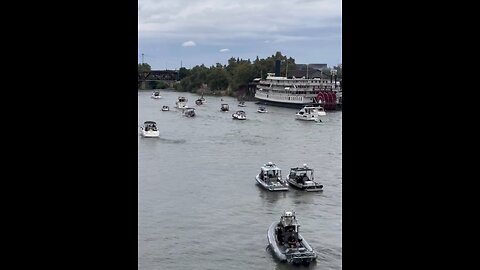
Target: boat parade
{"x":313,"y":100}
{"x":239,"y":136}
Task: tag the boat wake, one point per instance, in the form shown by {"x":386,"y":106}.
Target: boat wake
{"x":173,"y":141}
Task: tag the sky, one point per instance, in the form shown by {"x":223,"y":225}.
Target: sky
{"x":174,"y":33}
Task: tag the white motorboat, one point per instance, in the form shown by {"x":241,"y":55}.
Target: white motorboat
{"x":150,"y":129}
{"x":321,"y":111}
{"x":262,"y":109}
{"x":239,"y":115}
{"x":189,"y":112}
{"x":310,"y":113}
{"x":303,"y":179}
{"x":200,"y":101}
{"x":165,"y":108}
{"x":286,"y":242}
{"x":181,"y":103}
{"x":270,"y":177}
{"x":224,"y":107}
{"x":156,"y":95}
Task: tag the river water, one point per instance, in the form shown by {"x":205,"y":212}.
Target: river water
{"x":199,"y":206}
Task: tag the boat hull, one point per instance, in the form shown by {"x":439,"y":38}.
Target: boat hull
{"x":306,"y":117}
{"x":309,"y":186}
{"x":271,"y":187}
{"x":303,"y":255}
{"x":283,"y":104}
{"x":150,"y":134}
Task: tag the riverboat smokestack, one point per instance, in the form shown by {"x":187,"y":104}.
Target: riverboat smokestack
{"x":277,"y":68}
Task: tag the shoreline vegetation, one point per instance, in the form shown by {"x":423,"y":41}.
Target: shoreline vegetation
{"x":227,"y":80}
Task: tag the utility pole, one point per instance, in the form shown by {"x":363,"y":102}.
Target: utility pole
{"x":142,"y":59}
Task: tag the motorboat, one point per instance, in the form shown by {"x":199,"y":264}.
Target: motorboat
{"x":302,"y":178}
{"x":270,"y":177}
{"x":239,"y":115}
{"x":262,"y":109}
{"x":150,"y":129}
{"x":321,"y":111}
{"x":165,"y":108}
{"x":199,"y":101}
{"x":181,"y":103}
{"x":310,"y":113}
{"x":242,"y":104}
{"x":156,"y":95}
{"x":189,"y":112}
{"x":286,"y":242}
{"x":224,"y":107}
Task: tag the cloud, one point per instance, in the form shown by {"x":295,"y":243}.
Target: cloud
{"x":218,"y":20}
{"x":224,"y":50}
{"x":189,"y":44}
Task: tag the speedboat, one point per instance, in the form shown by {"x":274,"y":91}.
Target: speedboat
{"x":239,"y":115}
{"x":181,"y":103}
{"x":321,"y":111}
{"x":156,"y":95}
{"x":286,"y":242}
{"x":200,"y":101}
{"x":310,"y":113}
{"x":224,"y":108}
{"x":262,"y":109}
{"x":150,"y":129}
{"x":242,"y":104}
{"x":165,"y":108}
{"x":189,"y":112}
{"x":302,"y":178}
{"x":270,"y":177}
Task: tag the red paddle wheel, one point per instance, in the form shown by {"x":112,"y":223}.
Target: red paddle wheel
{"x":328,"y":100}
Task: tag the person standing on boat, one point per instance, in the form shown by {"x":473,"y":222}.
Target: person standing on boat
{"x":292,"y":241}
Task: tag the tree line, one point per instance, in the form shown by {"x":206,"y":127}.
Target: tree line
{"x":231,"y":79}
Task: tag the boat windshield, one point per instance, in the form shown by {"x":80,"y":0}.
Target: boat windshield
{"x":301,"y":173}
{"x":272,"y":174}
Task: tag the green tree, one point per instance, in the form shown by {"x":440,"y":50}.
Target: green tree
{"x":144,"y":67}
{"x":218,"y":79}
{"x":182,"y":73}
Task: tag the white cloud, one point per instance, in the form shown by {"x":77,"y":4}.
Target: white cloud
{"x":189,"y":44}
{"x":218,"y":20}
{"x":224,"y":50}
